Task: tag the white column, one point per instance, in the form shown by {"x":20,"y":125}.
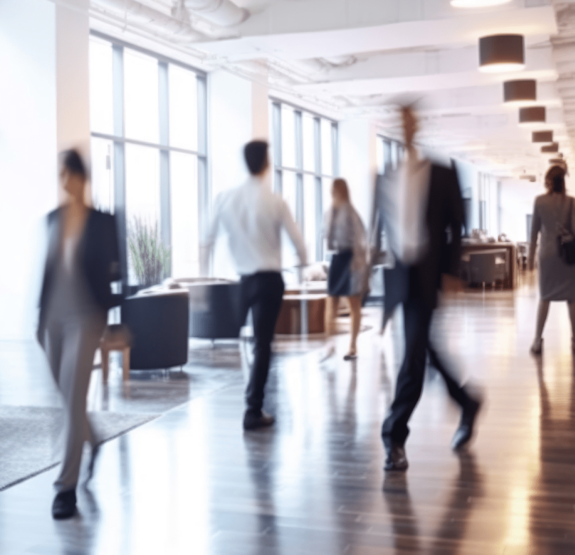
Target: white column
{"x":260,"y":112}
{"x":358,"y":163}
{"x":27,"y":156}
{"x":230,"y":128}
{"x":73,"y":76}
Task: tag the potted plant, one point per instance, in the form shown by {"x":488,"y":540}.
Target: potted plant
{"x":149,"y":257}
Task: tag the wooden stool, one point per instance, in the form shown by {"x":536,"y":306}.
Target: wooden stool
{"x":116,"y":338}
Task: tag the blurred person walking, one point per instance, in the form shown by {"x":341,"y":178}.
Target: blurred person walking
{"x":253,"y":218}
{"x":81,"y":263}
{"x":347,"y":276}
{"x":421,"y":210}
{"x":554,"y":219}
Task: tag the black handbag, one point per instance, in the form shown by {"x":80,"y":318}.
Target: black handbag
{"x":567,"y":247}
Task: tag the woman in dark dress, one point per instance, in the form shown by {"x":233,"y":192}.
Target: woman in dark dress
{"x":347,"y":277}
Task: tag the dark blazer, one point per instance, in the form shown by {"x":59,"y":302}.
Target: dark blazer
{"x":445,"y":218}
{"x":99,"y":258}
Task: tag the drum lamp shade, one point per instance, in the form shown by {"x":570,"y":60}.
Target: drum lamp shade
{"x":532,"y":115}
{"x":542,"y":136}
{"x":501,"y":53}
{"x":520,"y":91}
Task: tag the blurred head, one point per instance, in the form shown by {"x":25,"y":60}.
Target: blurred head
{"x":256,"y":156}
{"x":73,"y":174}
{"x":555,"y":179}
{"x":339,"y":192}
{"x":409,"y":122}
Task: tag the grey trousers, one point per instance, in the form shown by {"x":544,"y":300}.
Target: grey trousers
{"x":70,"y":344}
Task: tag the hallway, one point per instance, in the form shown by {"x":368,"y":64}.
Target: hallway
{"x":192,"y":482}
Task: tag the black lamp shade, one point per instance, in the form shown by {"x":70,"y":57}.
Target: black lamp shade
{"x":501,"y":53}
{"x":542,"y":136}
{"x":533,"y":114}
{"x":520,"y":90}
{"x":554,"y":147}
{"x":554,"y":161}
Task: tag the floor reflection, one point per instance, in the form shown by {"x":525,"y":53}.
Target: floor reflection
{"x":552,"y":532}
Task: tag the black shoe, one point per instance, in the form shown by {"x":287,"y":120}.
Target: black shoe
{"x":396,"y":459}
{"x":252,"y":422}
{"x":93,"y":458}
{"x":64,"y":505}
{"x":465,"y":431}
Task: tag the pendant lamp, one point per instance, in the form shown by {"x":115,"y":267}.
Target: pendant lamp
{"x":534,"y":115}
{"x":542,"y":136}
{"x":477,"y":3}
{"x":499,"y":53}
{"x":528,"y":177}
{"x":557,"y":161}
{"x":520,"y":91}
{"x":553,"y":147}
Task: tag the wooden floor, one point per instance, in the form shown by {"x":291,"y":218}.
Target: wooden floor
{"x":192,"y":482}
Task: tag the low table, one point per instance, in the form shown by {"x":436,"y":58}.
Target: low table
{"x":302,"y":314}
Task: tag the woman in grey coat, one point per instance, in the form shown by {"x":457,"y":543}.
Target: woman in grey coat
{"x":553,"y":217}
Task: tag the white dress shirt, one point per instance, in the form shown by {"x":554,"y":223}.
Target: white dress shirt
{"x":406,"y":201}
{"x":253,"y":218}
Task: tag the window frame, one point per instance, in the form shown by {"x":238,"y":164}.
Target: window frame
{"x":119,"y":140}
{"x":318,"y":173}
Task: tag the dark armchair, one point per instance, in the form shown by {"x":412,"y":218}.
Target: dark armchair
{"x":215,"y":308}
{"x":158,"y":320}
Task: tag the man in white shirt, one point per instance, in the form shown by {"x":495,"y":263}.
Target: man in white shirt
{"x":253,"y":218}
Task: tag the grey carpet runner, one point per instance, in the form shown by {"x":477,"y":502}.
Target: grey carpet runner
{"x":28,"y":434}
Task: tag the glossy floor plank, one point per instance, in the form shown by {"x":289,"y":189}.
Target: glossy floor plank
{"x":193,"y":482}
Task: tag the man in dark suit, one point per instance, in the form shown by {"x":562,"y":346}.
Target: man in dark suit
{"x":421,"y":210}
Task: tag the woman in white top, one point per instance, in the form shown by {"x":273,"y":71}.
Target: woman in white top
{"x":347,"y":277}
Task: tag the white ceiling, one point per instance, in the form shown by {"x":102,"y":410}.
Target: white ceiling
{"x":357,"y":56}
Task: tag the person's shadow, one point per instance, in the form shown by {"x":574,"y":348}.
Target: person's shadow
{"x":403,"y":520}
{"x":466,"y":488}
{"x":551,"y":530}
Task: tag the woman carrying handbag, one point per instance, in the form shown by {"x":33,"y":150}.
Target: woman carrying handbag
{"x":554,"y":219}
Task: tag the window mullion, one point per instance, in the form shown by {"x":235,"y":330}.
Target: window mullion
{"x":164,"y":128}
{"x":277,"y":146}
{"x":299,"y":165}
{"x":120,"y":158}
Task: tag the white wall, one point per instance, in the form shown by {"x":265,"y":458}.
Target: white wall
{"x":27,"y":154}
{"x":358,"y":163}
{"x":517,"y":198}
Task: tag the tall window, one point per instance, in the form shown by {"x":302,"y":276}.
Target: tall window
{"x":148,"y":126}
{"x":389,"y":154}
{"x":305,"y":164}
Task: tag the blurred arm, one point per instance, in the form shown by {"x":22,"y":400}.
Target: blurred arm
{"x":456,"y":219}
{"x":209,"y":239}
{"x":376,"y":224}
{"x":535,"y":228}
{"x":115,"y":267}
{"x":294,"y":234}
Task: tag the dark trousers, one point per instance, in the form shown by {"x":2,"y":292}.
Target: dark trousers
{"x":417,"y":320}
{"x":262,"y":293}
